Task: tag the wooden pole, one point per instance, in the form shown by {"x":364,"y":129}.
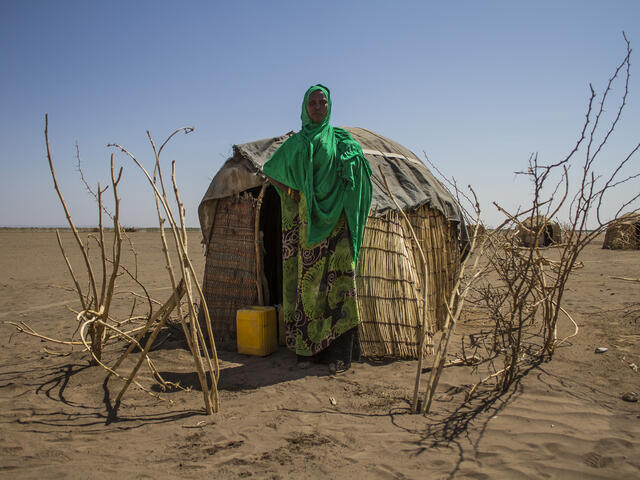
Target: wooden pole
{"x":256,"y":240}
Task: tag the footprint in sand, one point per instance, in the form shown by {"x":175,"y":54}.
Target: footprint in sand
{"x":597,"y":461}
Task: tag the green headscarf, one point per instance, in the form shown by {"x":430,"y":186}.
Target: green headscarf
{"x":327,"y":165}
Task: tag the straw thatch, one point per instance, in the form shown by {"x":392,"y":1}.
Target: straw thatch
{"x":539,"y":231}
{"x":230,"y":269}
{"x":624,"y":233}
{"x":242,"y":234}
{"x":390,"y":281}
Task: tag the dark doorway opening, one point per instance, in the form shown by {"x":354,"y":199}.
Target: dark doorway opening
{"x":547,"y":235}
{"x":271,"y":228}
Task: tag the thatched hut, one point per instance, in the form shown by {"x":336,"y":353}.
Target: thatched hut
{"x":539,"y":231}
{"x":624,"y":233}
{"x":240,"y":220}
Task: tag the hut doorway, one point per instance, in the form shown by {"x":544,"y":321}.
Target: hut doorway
{"x":547,"y":235}
{"x":271,"y":228}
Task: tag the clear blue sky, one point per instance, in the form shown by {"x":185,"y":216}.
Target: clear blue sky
{"x":477,"y":85}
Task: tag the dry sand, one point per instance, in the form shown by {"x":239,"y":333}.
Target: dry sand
{"x":565,"y":419}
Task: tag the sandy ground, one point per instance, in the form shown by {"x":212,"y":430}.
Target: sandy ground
{"x":564,"y":419}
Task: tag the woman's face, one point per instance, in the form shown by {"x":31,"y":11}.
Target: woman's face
{"x":317,"y":106}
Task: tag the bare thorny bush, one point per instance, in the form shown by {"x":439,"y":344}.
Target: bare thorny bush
{"x":98,"y":324}
{"x":513,"y":290}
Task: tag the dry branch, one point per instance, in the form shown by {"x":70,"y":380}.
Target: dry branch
{"x":523,"y":298}
{"x":163,"y":315}
{"x":96,"y":324}
{"x":456,"y":300}
{"x":192,"y":329}
{"x":626,"y":279}
{"x":423,"y":324}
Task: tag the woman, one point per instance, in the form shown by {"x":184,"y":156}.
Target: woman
{"x":325,"y":191}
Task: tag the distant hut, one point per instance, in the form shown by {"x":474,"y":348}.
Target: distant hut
{"x":539,"y":231}
{"x":240,"y":220}
{"x":624,"y":233}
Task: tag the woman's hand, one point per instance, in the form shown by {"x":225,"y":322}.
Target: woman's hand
{"x":295,"y":194}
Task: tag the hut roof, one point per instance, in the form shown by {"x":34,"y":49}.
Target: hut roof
{"x":411,"y":182}
{"x":537,"y":221}
{"x":628,"y":218}
{"x":623,"y":233}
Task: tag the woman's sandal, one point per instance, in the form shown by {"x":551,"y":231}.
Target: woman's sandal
{"x":303,"y":362}
{"x":338,"y":367}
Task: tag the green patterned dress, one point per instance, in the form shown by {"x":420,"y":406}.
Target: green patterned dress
{"x":319,"y":297}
